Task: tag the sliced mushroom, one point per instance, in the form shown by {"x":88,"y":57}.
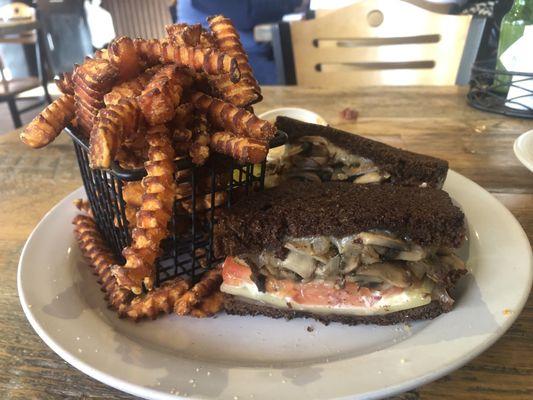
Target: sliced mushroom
{"x":350,"y":263}
{"x":419,"y":268}
{"x":329,"y":269}
{"x":394,"y":274}
{"x":316,"y":140}
{"x":416,"y":253}
{"x":440,"y":294}
{"x":318,"y":247}
{"x":371,"y":177}
{"x":453,"y":262}
{"x":369,"y":255}
{"x":303,"y":265}
{"x":380,"y":239}
{"x":348,"y":245}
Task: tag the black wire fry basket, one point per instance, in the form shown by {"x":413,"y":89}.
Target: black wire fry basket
{"x":188,"y":250}
{"x":498,"y":91}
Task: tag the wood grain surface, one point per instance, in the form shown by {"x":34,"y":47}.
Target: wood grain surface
{"x":432,"y":120}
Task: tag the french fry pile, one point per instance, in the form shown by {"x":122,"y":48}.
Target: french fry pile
{"x":149,"y":102}
{"x":196,"y":83}
{"x":177,"y":295}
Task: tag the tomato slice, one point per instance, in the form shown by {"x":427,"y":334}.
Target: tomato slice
{"x":235,"y":273}
{"x":319,"y":293}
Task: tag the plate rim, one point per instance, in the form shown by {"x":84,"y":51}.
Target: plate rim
{"x":139,"y":390}
{"x":518,"y":151}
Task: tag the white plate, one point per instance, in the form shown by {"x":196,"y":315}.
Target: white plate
{"x":300,"y":114}
{"x":233,"y":357}
{"x":523,"y":149}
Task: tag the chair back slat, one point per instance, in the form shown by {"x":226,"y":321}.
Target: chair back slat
{"x":379,"y":42}
{"x":139,"y":18}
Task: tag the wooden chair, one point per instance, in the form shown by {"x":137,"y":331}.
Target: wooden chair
{"x":23,"y":32}
{"x":67,"y":37}
{"x":377,"y":42}
{"x":139,"y":18}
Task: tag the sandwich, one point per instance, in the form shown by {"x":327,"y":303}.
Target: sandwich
{"x":379,"y":254}
{"x":319,"y":153}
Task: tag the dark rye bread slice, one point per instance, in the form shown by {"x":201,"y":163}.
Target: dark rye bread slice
{"x":236,"y":306}
{"x":299,"y":209}
{"x":405,"y":167}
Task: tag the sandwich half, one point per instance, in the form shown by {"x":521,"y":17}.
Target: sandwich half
{"x":378,"y":254}
{"x":320,"y":153}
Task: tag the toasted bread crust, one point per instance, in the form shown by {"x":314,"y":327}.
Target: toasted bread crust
{"x":299,"y":209}
{"x":235,"y":306}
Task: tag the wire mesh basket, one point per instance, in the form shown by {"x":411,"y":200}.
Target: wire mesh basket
{"x":504,"y":92}
{"x":215,"y":185}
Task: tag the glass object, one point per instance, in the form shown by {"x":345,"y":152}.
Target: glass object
{"x":511,"y":29}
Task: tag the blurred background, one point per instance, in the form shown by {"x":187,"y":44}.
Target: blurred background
{"x":289,"y":42}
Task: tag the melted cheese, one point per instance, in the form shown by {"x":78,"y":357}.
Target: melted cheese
{"x":407,"y":299}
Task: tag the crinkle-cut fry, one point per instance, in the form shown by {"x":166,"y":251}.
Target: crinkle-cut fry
{"x":184,"y":34}
{"x":247,"y":91}
{"x":44,"y":128}
{"x":98,"y":75}
{"x":131,"y":215}
{"x":208,"y":284}
{"x":101,"y":54}
{"x":132,"y":193}
{"x":129,"y":89}
{"x":84,"y":206}
{"x":123,"y":55}
{"x":114,"y":125}
{"x":228,"y":117}
{"x":64,"y":83}
{"x":209,"y":306}
{"x":159,"y":301}
{"x":129,"y":159}
{"x":92,"y":80}
{"x":148,"y":49}
{"x":246,"y":150}
{"x":204,"y":202}
{"x":100,"y":258}
{"x":199,"y":153}
{"x":183,"y":115}
{"x":153,"y":216}
{"x":158,"y":101}
{"x":210,"y":61}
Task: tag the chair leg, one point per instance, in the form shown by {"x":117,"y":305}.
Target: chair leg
{"x":15,"y":115}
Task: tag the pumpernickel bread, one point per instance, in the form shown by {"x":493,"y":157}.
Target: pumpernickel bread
{"x":235,"y":306}
{"x":405,"y":167}
{"x":299,"y":209}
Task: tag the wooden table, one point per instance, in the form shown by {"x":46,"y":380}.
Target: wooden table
{"x":435,"y":121}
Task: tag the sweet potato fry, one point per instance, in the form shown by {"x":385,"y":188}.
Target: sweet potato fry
{"x":208,"y":284}
{"x":83,"y":206}
{"x":44,"y":128}
{"x":124,"y":57}
{"x":92,"y":80}
{"x":210,"y":61}
{"x":159,"y":301}
{"x":184,"y":34}
{"x":153,"y":216}
{"x":158,"y":101}
{"x":65,"y":84}
{"x":246,"y":150}
{"x":100,"y":258}
{"x":131,"y":88}
{"x":247,"y":90}
{"x":237,"y":120}
{"x":113,"y":124}
{"x":209,"y":306}
{"x":132,"y":193}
